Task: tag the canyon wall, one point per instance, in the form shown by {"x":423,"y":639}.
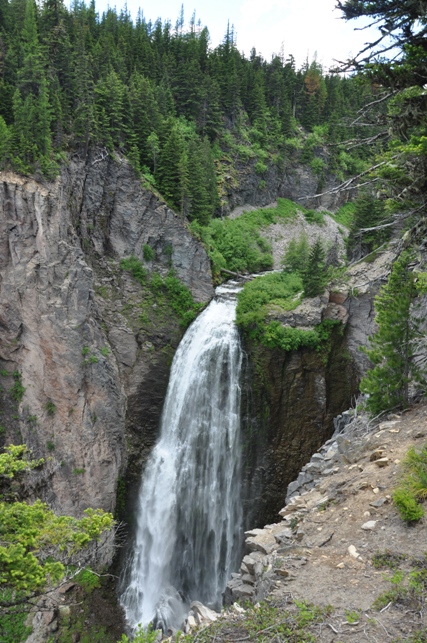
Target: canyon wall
{"x":82,"y":372}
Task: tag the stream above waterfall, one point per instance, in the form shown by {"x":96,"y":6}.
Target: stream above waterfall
{"x":189,"y":518}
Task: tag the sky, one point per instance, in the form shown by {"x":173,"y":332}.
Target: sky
{"x":303,"y":28}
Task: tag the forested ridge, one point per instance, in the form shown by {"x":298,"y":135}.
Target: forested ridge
{"x":178,"y":109}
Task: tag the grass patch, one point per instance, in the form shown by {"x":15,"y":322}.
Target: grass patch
{"x":408,"y":588}
{"x":381,"y":560}
{"x":88,"y":580}
{"x":273,"y":294}
{"x":344,"y":216}
{"x":17,"y":391}
{"x":412,"y":488}
{"x":236,"y":244}
{"x":12,"y":622}
{"x":277,"y":291}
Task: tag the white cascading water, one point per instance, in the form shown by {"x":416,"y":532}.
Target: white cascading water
{"x":189,"y":522}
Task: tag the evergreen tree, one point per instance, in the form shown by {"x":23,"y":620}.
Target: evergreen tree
{"x":392,"y":346}
{"x":198,"y":189}
{"x":297,"y":255}
{"x":31,"y":108}
{"x":4,"y":142}
{"x":314,"y":276}
{"x":170,"y":174}
{"x":369,"y":212}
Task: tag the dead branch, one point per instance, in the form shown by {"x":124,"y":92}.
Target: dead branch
{"x":345,"y":185}
{"x":357,"y":142}
{"x":378,"y":101}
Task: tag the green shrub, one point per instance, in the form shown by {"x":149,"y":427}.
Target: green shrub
{"x":17,"y":391}
{"x":261,"y":168}
{"x":236,"y":244}
{"x":148,"y":252}
{"x":410,"y":510}
{"x":271,"y":293}
{"x":88,"y":580}
{"x":12,"y":622}
{"x":412,"y":488}
{"x":135,"y":267}
{"x":50,"y":408}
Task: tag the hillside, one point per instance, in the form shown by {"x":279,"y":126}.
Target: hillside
{"x":341,"y":547}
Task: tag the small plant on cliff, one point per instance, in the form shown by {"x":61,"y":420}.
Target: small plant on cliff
{"x":147,"y":252}
{"x":50,"y":408}
{"x":17,"y":391}
{"x":142,"y":636}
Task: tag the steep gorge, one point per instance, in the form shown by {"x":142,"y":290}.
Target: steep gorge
{"x":92,"y":347}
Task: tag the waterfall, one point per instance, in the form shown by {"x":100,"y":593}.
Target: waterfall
{"x":189,"y":517}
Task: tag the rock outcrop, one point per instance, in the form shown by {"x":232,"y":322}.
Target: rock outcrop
{"x":81,"y":371}
{"x":240,"y":184}
{"x":291,"y":399}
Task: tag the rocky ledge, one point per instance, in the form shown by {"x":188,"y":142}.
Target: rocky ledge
{"x":337,"y":522}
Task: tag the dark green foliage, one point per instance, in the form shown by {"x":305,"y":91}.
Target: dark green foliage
{"x":314,"y":275}
{"x":296,"y":255}
{"x":148,"y":252}
{"x":380,"y":560}
{"x":12,"y":623}
{"x":50,"y":408}
{"x":392,"y":346}
{"x":412,"y":488}
{"x":178,"y":296}
{"x":71,"y":79}
{"x":397,"y":62}
{"x":368,"y":212}
{"x":403,"y":23}
{"x":17,"y":391}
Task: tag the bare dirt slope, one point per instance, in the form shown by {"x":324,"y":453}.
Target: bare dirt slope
{"x":352,"y":508}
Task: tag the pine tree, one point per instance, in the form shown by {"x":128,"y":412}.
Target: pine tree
{"x":31,"y":108}
{"x":314,"y":275}
{"x":170,"y":173}
{"x":4,"y":142}
{"x":392,"y":346}
{"x":297,"y":255}
{"x":200,"y":203}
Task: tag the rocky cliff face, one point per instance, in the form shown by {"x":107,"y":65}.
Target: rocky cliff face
{"x":290,"y":402}
{"x":82,"y":369}
{"x":291,"y":399}
{"x":241,"y":185}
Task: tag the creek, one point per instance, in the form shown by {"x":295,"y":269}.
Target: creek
{"x":189,"y":530}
